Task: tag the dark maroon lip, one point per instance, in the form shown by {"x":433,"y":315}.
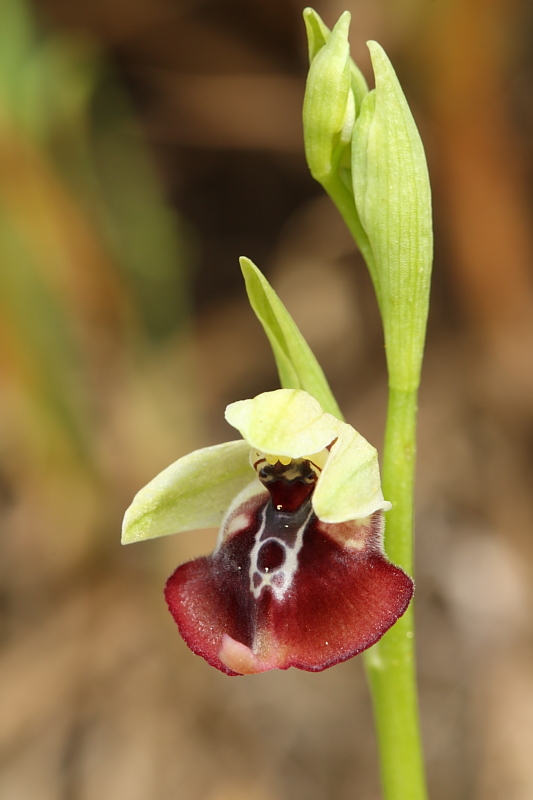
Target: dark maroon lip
{"x":286,"y":589}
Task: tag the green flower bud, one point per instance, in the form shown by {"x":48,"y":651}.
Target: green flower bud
{"x":317,"y":35}
{"x":326,"y":103}
{"x":393,"y":201}
{"x":317,"y":32}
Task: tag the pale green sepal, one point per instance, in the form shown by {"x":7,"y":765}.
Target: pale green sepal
{"x":349,"y":486}
{"x":297,"y":366}
{"x":326,"y":97}
{"x":192,"y":493}
{"x":317,"y":35}
{"x":289,"y":422}
{"x":286,"y":422}
{"x":393,"y":200}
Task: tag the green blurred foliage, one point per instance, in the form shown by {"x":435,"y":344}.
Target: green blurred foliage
{"x":90,"y":254}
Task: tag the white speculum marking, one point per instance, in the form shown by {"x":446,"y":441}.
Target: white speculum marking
{"x":283,"y":553}
{"x":238,"y":523}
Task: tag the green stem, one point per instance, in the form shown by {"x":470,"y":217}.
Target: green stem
{"x":343,"y":199}
{"x":390,"y":663}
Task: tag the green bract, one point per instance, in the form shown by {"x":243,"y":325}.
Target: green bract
{"x":196,"y":490}
{"x":297,"y":366}
{"x":378,"y":179}
{"x":393,"y":201}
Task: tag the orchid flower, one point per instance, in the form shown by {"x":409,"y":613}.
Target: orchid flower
{"x":298,"y":577}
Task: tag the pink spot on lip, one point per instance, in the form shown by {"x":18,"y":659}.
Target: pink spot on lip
{"x":240,"y":659}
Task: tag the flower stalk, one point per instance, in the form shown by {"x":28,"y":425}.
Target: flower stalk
{"x":390,"y":664}
{"x":379,"y":183}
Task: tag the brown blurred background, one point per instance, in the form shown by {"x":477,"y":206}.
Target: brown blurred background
{"x":144,"y":146}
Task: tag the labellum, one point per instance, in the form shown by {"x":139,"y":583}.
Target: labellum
{"x":282,"y":588}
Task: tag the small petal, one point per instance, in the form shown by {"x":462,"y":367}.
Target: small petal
{"x":350,"y":485}
{"x":194,"y":492}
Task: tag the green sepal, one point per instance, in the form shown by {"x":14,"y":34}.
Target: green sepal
{"x":193,"y":492}
{"x":297,"y":366}
{"x":285,"y":422}
{"x":393,"y":200}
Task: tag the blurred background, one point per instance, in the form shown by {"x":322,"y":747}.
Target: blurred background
{"x":144,"y":146}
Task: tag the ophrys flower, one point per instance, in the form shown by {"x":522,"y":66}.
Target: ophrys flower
{"x":298,"y":576}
